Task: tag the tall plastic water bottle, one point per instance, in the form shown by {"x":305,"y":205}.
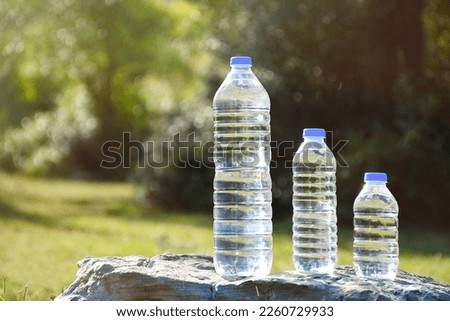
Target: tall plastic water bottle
{"x":242,"y":183}
{"x":314,"y":203}
{"x":375,"y":244}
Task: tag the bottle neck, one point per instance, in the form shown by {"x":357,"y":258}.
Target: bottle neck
{"x":375,"y":183}
{"x":241,"y":68}
{"x":375,"y":186}
{"x":313,"y":139}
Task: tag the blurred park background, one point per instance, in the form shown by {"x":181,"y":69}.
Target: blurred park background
{"x":75,"y":74}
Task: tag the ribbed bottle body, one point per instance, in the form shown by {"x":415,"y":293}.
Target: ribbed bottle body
{"x":242,"y":182}
{"x":314,"y":204}
{"x":375,"y":243}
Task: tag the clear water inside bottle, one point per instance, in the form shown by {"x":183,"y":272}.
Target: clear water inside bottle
{"x":242,"y":190}
{"x":375,"y":245}
{"x":314,"y":203}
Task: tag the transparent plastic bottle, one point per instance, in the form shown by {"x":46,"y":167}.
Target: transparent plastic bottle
{"x":242,"y":183}
{"x":375,"y":236}
{"x":314,"y":203}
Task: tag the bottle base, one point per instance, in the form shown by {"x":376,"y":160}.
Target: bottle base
{"x":240,"y":265}
{"x":314,"y":266}
{"x":375,"y":272}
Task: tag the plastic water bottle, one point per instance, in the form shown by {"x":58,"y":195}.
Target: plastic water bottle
{"x":375,"y":244}
{"x":242,"y":183}
{"x":314,"y":203}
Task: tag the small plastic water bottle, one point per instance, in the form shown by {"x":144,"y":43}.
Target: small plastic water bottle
{"x":375,"y":243}
{"x":314,"y":203}
{"x":242,"y":183}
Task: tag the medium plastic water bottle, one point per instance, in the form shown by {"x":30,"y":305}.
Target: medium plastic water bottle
{"x":375,"y":244}
{"x":314,"y":203}
{"x":242,"y":183}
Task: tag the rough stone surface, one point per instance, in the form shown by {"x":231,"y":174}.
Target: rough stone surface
{"x":192,"y":277}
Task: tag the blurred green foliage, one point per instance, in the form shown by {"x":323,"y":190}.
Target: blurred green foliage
{"x":76,"y":74}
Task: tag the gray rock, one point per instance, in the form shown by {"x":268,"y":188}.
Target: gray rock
{"x":192,"y":277}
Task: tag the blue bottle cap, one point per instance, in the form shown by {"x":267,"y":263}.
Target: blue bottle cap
{"x":314,"y":132}
{"x":375,"y":176}
{"x":240,"y":60}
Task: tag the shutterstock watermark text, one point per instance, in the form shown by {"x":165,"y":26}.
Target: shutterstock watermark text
{"x":190,"y":152}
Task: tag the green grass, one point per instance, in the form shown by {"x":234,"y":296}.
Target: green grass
{"x":46,"y":226}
